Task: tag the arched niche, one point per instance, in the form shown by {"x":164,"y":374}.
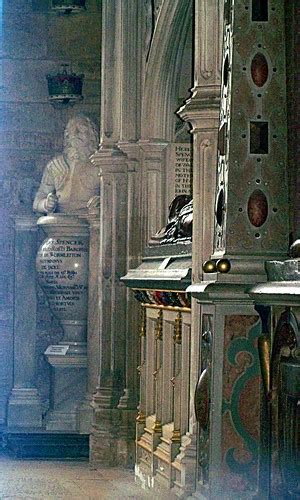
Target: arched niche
{"x":163,"y":70}
{"x":165,"y":89}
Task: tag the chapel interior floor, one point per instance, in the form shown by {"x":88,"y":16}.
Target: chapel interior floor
{"x":39,"y":479}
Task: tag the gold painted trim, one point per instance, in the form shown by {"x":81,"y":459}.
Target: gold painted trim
{"x":143,"y":323}
{"x":159,"y":326}
{"x":141,"y":417}
{"x":265,"y":363}
{"x":157,"y":427}
{"x":176,"y":436}
{"x":178,"y":329}
{"x":167,"y":308}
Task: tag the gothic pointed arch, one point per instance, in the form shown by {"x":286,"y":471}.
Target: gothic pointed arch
{"x":163,"y":68}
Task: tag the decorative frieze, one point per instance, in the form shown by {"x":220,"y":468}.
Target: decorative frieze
{"x":163,"y":298}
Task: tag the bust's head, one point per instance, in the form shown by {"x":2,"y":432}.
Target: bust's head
{"x":80,"y":138}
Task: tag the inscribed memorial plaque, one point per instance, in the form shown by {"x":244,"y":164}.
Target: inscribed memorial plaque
{"x":61,"y":262}
{"x":183,"y":168}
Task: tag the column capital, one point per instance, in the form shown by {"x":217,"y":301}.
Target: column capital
{"x":109,"y":160}
{"x":202,"y":109}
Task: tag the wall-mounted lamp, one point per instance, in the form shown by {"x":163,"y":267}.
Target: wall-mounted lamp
{"x":65,"y":87}
{"x":68,"y":6}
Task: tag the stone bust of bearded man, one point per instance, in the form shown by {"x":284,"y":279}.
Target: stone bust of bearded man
{"x":69,"y":181}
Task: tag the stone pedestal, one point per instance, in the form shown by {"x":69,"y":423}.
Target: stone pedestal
{"x":227,"y":402}
{"x":68,"y":389}
{"x":24,"y":406}
{"x":62,"y":265}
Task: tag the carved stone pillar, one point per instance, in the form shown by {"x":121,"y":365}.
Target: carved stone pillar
{"x":112,"y":300}
{"x":133,"y":253}
{"x":154,"y":206}
{"x":93,"y":332}
{"x":112,"y":438}
{"x":24,"y":406}
{"x":202,"y":112}
{"x":250,"y":195}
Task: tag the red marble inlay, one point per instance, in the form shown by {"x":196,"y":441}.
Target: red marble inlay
{"x":259,"y":70}
{"x":257,"y":208}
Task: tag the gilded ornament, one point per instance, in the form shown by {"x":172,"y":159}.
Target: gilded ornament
{"x":178,"y":329}
{"x":209,"y":266}
{"x":176,"y":436}
{"x":143,"y":322}
{"x":159,"y":326}
{"x":141,"y":417}
{"x":157,"y":427}
{"x":223,"y":266}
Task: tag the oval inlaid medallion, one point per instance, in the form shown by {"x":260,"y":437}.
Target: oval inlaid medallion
{"x":259,"y":69}
{"x":257,"y":208}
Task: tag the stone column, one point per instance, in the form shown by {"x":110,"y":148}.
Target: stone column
{"x":114,"y":403}
{"x":134,"y":249}
{"x":202,"y":111}
{"x":154,"y":200}
{"x":24,"y":406}
{"x":112,"y":300}
{"x":93,"y":330}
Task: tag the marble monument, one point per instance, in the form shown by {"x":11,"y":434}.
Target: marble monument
{"x":69,"y":182}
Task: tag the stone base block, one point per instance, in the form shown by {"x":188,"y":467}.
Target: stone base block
{"x":85,"y":417}
{"x":61,"y":421}
{"x":47,"y":445}
{"x":112,"y":437}
{"x":68,"y":390}
{"x":24,"y":409}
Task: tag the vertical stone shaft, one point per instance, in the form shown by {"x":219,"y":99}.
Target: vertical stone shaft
{"x":153,"y":187}
{"x":202,"y":111}
{"x":113,"y":232}
{"x":117,"y":161}
{"x":110,"y":74}
{"x":24,"y":407}
{"x":93,"y":332}
{"x":94,"y":306}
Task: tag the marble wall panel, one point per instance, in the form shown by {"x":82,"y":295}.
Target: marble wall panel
{"x":18,"y":6}
{"x":24,"y":36}
{"x":75,"y":37}
{"x":25,"y":81}
{"x":30,"y":117}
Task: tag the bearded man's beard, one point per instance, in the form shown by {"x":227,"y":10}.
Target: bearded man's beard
{"x":77,"y":153}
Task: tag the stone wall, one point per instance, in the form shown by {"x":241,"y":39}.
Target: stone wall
{"x":35,"y":42}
